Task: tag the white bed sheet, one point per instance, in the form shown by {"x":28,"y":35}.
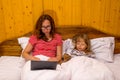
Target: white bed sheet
{"x":115,"y":66}
{"x":10,"y":68}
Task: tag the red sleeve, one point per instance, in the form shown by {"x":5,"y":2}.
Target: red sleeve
{"x":33,"y":39}
{"x":59,"y":40}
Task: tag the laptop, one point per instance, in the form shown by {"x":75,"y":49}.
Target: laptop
{"x":40,"y":65}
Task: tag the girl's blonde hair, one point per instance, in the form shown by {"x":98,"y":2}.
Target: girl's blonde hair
{"x":83,"y":36}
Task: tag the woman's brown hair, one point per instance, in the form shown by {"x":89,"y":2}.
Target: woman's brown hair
{"x":38,"y":27}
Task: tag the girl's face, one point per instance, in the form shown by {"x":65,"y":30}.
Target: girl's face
{"x":46,"y":27}
{"x":81,"y":45}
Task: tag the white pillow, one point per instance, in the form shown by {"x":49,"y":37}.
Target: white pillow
{"x":23,"y":41}
{"x":67,"y":46}
{"x":102,"y":47}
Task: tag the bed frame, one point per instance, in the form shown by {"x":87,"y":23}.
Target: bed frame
{"x":12,"y":48}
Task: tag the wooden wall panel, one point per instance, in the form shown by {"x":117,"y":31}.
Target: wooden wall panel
{"x":66,"y":12}
{"x":8,"y":18}
{"x":95,"y":15}
{"x":106,"y":17}
{"x":115,"y":17}
{"x":19,"y":16}
{"x":61,"y":10}
{"x":37,"y":9}
{"x":85,"y":12}
{"x":27,"y":15}
{"x":76,"y":12}
{"x":2,"y":25}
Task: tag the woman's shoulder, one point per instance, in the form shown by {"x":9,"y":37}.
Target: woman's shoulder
{"x":33,"y":36}
{"x":57,"y":35}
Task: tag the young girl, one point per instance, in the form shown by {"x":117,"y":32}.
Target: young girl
{"x":81,"y":44}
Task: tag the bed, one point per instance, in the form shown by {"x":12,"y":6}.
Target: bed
{"x":14,"y":67}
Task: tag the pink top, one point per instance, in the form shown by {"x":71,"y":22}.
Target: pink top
{"x":45,"y":48}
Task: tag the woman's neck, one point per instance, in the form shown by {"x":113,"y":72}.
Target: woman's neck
{"x":49,"y":37}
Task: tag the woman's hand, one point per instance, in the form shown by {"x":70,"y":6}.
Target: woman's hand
{"x":35,"y":58}
{"x":53,"y":59}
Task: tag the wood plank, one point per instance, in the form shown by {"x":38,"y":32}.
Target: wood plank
{"x":27,"y":15}
{"x":8,"y":17}
{"x":76,"y":11}
{"x":2,"y":24}
{"x":37,"y":9}
{"x":18,"y":17}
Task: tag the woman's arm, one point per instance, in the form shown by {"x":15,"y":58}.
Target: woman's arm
{"x":26,"y":53}
{"x":58,"y":54}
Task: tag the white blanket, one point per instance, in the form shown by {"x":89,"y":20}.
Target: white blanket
{"x":85,"y":68}
{"x":78,"y":68}
{"x":27,"y":74}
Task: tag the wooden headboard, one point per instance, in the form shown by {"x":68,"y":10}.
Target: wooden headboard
{"x":12,"y":48}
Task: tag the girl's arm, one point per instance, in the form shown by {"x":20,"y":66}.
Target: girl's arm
{"x":26,"y":53}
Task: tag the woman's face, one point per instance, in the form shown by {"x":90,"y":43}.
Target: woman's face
{"x":46,"y":27}
{"x":81,"y":45}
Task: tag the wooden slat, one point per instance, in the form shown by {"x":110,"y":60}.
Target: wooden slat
{"x":76,"y":12}
{"x":8,"y":17}
{"x":27,"y":15}
{"x":2,"y":24}
{"x":37,"y":9}
{"x":17,"y":11}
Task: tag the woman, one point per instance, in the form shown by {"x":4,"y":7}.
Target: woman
{"x":44,"y":41}
{"x":45,"y":45}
